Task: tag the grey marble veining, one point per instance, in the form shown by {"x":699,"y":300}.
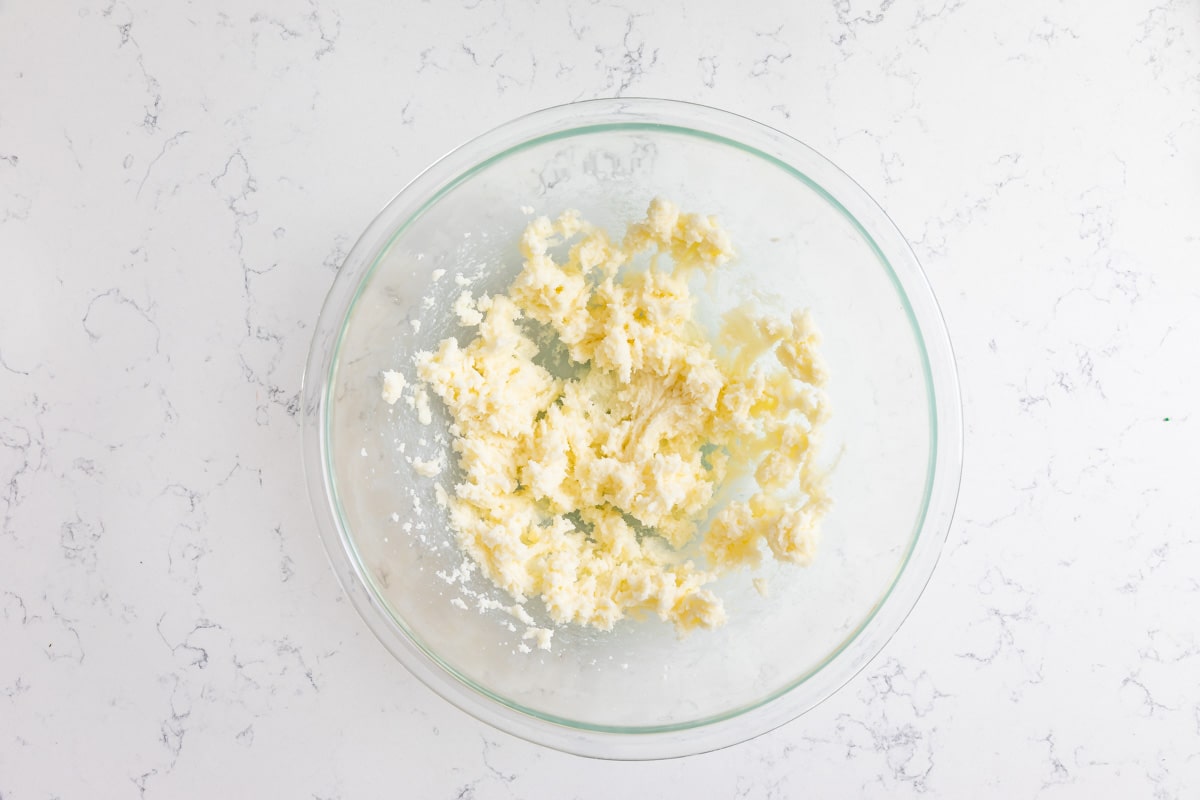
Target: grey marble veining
{"x":179,"y":182}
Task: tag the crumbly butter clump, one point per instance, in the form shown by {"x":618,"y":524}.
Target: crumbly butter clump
{"x":567,"y":479}
{"x":393,"y":387}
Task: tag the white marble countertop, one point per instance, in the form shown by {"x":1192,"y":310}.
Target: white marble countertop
{"x":179,"y":181}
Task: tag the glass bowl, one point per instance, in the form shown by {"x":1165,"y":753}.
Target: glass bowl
{"x":807,"y":236}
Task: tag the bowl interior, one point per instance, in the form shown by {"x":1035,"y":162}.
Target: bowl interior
{"x":797,"y":248}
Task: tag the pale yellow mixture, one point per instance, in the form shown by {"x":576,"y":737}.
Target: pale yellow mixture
{"x":587,"y":490}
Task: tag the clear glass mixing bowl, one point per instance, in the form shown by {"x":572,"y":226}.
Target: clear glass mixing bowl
{"x":807,"y":236}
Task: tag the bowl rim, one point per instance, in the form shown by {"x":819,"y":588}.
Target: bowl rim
{"x":943,"y":471}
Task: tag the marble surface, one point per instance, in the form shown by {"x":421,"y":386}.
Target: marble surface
{"x":179,"y":182}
